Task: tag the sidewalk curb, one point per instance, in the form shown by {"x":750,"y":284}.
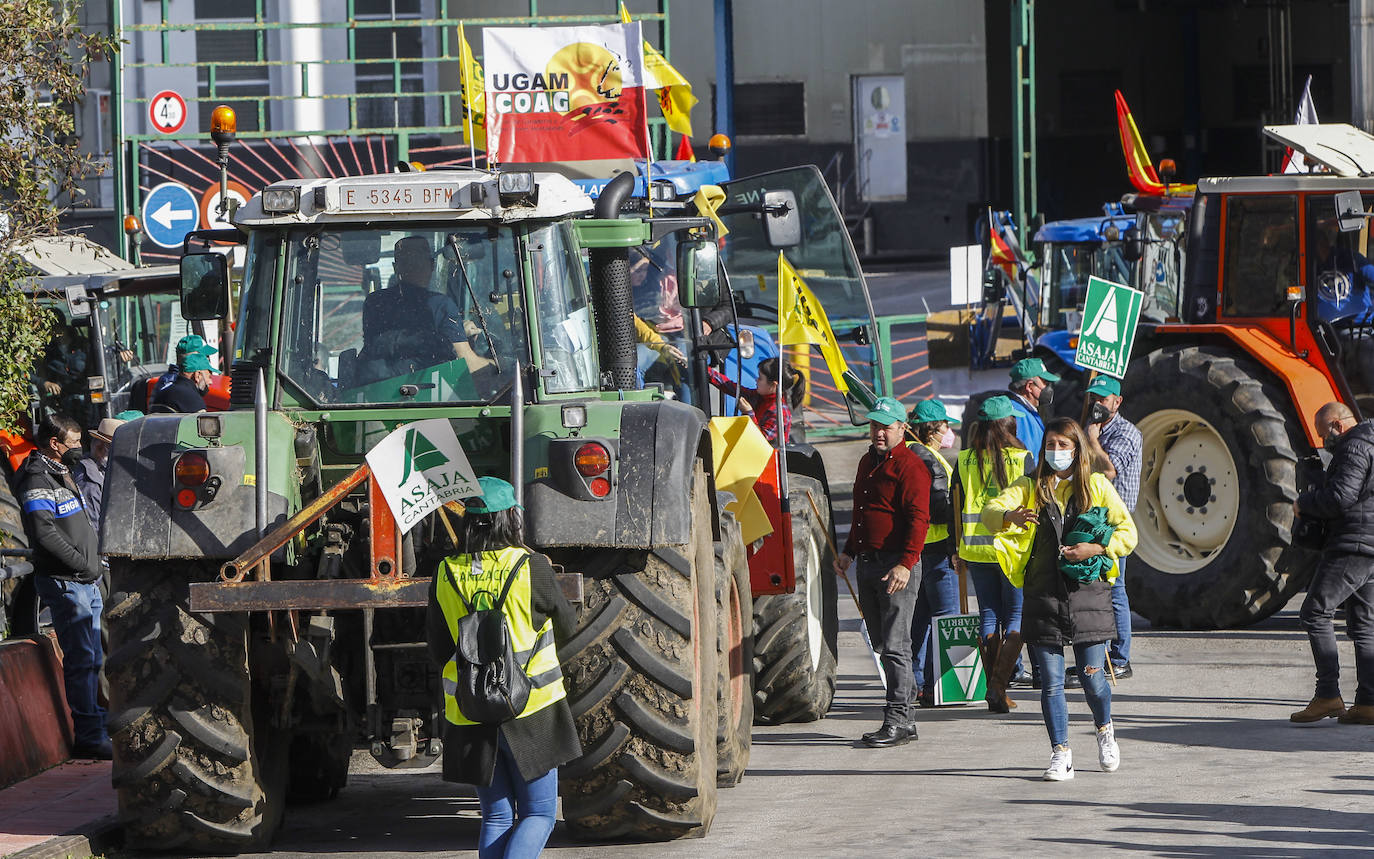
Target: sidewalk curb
{"x":92,"y":839}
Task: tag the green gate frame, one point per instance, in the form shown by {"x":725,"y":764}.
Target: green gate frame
{"x":125,"y":160}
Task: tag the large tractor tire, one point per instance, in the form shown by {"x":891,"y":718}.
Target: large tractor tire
{"x":1218,"y":481}
{"x":796,"y":634}
{"x":18,"y":599}
{"x":197,"y":765}
{"x":641,"y":673}
{"x":735,"y":652}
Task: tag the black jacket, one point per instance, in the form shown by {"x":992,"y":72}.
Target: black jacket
{"x":1058,"y":611}
{"x":1345,"y":499}
{"x":180,"y":396}
{"x":64,"y":543}
{"x":538,"y":742}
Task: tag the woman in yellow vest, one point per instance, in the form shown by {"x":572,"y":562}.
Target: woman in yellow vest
{"x":993,"y":459}
{"x":514,"y":765}
{"x":1042,"y":543}
{"x":939,"y":593}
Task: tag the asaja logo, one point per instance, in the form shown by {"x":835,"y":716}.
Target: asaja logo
{"x":421,"y":455}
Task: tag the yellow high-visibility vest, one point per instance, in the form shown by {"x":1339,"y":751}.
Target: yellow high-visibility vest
{"x":481,"y":578}
{"x":936,"y":533}
{"x":978,"y":488}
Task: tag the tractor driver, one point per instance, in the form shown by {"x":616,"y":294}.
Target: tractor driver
{"x":1342,"y":274}
{"x":406,"y":327}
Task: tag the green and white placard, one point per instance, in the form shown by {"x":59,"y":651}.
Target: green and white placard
{"x":1110,"y":314}
{"x":958,"y":665}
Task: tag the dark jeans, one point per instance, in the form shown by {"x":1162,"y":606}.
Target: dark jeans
{"x":1348,"y":579}
{"x":1119,"y":649}
{"x":939,"y":594}
{"x":76,"y":612}
{"x":888,"y":618}
{"x":517,"y":815}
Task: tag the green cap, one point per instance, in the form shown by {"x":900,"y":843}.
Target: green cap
{"x":1031,"y":368}
{"x":887,"y":411}
{"x":497,"y":495}
{"x":129,"y":415}
{"x":930,"y":410}
{"x":1104,"y":386}
{"x":193,"y":343}
{"x":193,"y":362}
{"x":995,"y":409}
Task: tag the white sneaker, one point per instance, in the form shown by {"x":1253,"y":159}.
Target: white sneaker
{"x":1108,"y":753}
{"x":1061,"y":765}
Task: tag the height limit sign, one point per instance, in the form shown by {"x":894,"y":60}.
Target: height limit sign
{"x":1110,"y":314}
{"x":167,"y":111}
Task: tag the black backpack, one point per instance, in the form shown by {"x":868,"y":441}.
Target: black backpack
{"x":492,"y":686}
{"x":941,"y":511}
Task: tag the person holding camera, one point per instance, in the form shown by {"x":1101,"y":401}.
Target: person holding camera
{"x":1115,"y":445}
{"x":1345,"y":574}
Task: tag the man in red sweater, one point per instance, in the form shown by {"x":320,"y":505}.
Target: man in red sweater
{"x":886,"y":535}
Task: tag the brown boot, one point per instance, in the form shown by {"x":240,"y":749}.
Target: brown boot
{"x":1318,"y":709}
{"x":1360,"y":714}
{"x":1007,"y":654}
{"x":988,"y":650}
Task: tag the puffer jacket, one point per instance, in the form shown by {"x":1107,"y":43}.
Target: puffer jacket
{"x":64,"y":544}
{"x":1058,"y":611}
{"x":1345,"y":499}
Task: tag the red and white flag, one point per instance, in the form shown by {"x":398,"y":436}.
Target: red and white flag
{"x":565,"y":93}
{"x":1293,"y":162}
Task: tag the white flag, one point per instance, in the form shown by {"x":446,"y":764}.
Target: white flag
{"x":1307,"y":115}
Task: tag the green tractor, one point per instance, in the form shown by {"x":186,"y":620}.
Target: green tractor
{"x":265,"y":606}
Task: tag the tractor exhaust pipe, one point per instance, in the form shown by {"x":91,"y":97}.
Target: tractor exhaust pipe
{"x":610,"y":271}
{"x":260,"y":455}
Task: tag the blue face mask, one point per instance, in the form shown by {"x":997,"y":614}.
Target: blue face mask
{"x":1059,"y":460}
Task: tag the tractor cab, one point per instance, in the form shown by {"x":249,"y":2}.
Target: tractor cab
{"x":1070,"y":252}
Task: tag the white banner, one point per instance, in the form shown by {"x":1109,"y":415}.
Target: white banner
{"x":565,"y":93}
{"x":419,"y":466}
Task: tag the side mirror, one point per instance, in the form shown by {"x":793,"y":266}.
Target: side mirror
{"x":1132,"y":245}
{"x":1350,"y":211}
{"x":204,"y":286}
{"x":781,"y":220}
{"x":698,"y":273}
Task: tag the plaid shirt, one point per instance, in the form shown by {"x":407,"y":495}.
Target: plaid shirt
{"x":1121,"y":440}
{"x":765,"y":409}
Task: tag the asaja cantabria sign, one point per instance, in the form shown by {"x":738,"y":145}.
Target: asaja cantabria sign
{"x":958,"y":666}
{"x":1110,"y":314}
{"x":419,"y":466}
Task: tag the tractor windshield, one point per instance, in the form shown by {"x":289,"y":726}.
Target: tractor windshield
{"x":421,"y":314}
{"x":1067,"y":267}
{"x":824,"y":258}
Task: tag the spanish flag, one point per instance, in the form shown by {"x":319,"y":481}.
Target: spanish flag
{"x":802,"y":320}
{"x":474,"y":96}
{"x":675,"y":98}
{"x":1138,"y":164}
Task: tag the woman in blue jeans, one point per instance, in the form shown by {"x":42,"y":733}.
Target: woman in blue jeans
{"x":1067,"y":573}
{"x":993,"y":459}
{"x":513,"y":764}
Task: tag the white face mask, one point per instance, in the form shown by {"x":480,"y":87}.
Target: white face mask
{"x":947,"y":440}
{"x":1059,"y":460}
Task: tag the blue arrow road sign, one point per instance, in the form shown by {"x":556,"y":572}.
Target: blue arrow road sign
{"x":169,"y":213}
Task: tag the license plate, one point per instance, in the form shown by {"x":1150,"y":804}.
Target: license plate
{"x":402,"y":197}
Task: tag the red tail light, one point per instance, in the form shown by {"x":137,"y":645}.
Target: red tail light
{"x":600,"y":487}
{"x":592,"y":459}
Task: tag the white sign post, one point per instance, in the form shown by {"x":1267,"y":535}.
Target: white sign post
{"x":965,"y":274}
{"x":420,"y":466}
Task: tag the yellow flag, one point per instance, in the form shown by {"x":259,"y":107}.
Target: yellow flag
{"x":474,"y":95}
{"x":802,"y":320}
{"x":675,"y":97}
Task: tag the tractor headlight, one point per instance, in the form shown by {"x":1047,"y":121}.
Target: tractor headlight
{"x":281,"y":201}
{"x":517,"y":186}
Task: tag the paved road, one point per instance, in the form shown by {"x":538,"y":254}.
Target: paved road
{"x":1210,"y":766}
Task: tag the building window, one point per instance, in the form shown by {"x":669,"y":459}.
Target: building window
{"x":377,"y":49}
{"x":234,"y":85}
{"x":774,"y":109}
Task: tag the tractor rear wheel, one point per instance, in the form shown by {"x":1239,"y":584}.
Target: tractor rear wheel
{"x":196,"y":765}
{"x":735,"y":652}
{"x":641,"y":675}
{"x":1217,"y":485}
{"x":795,"y":635}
